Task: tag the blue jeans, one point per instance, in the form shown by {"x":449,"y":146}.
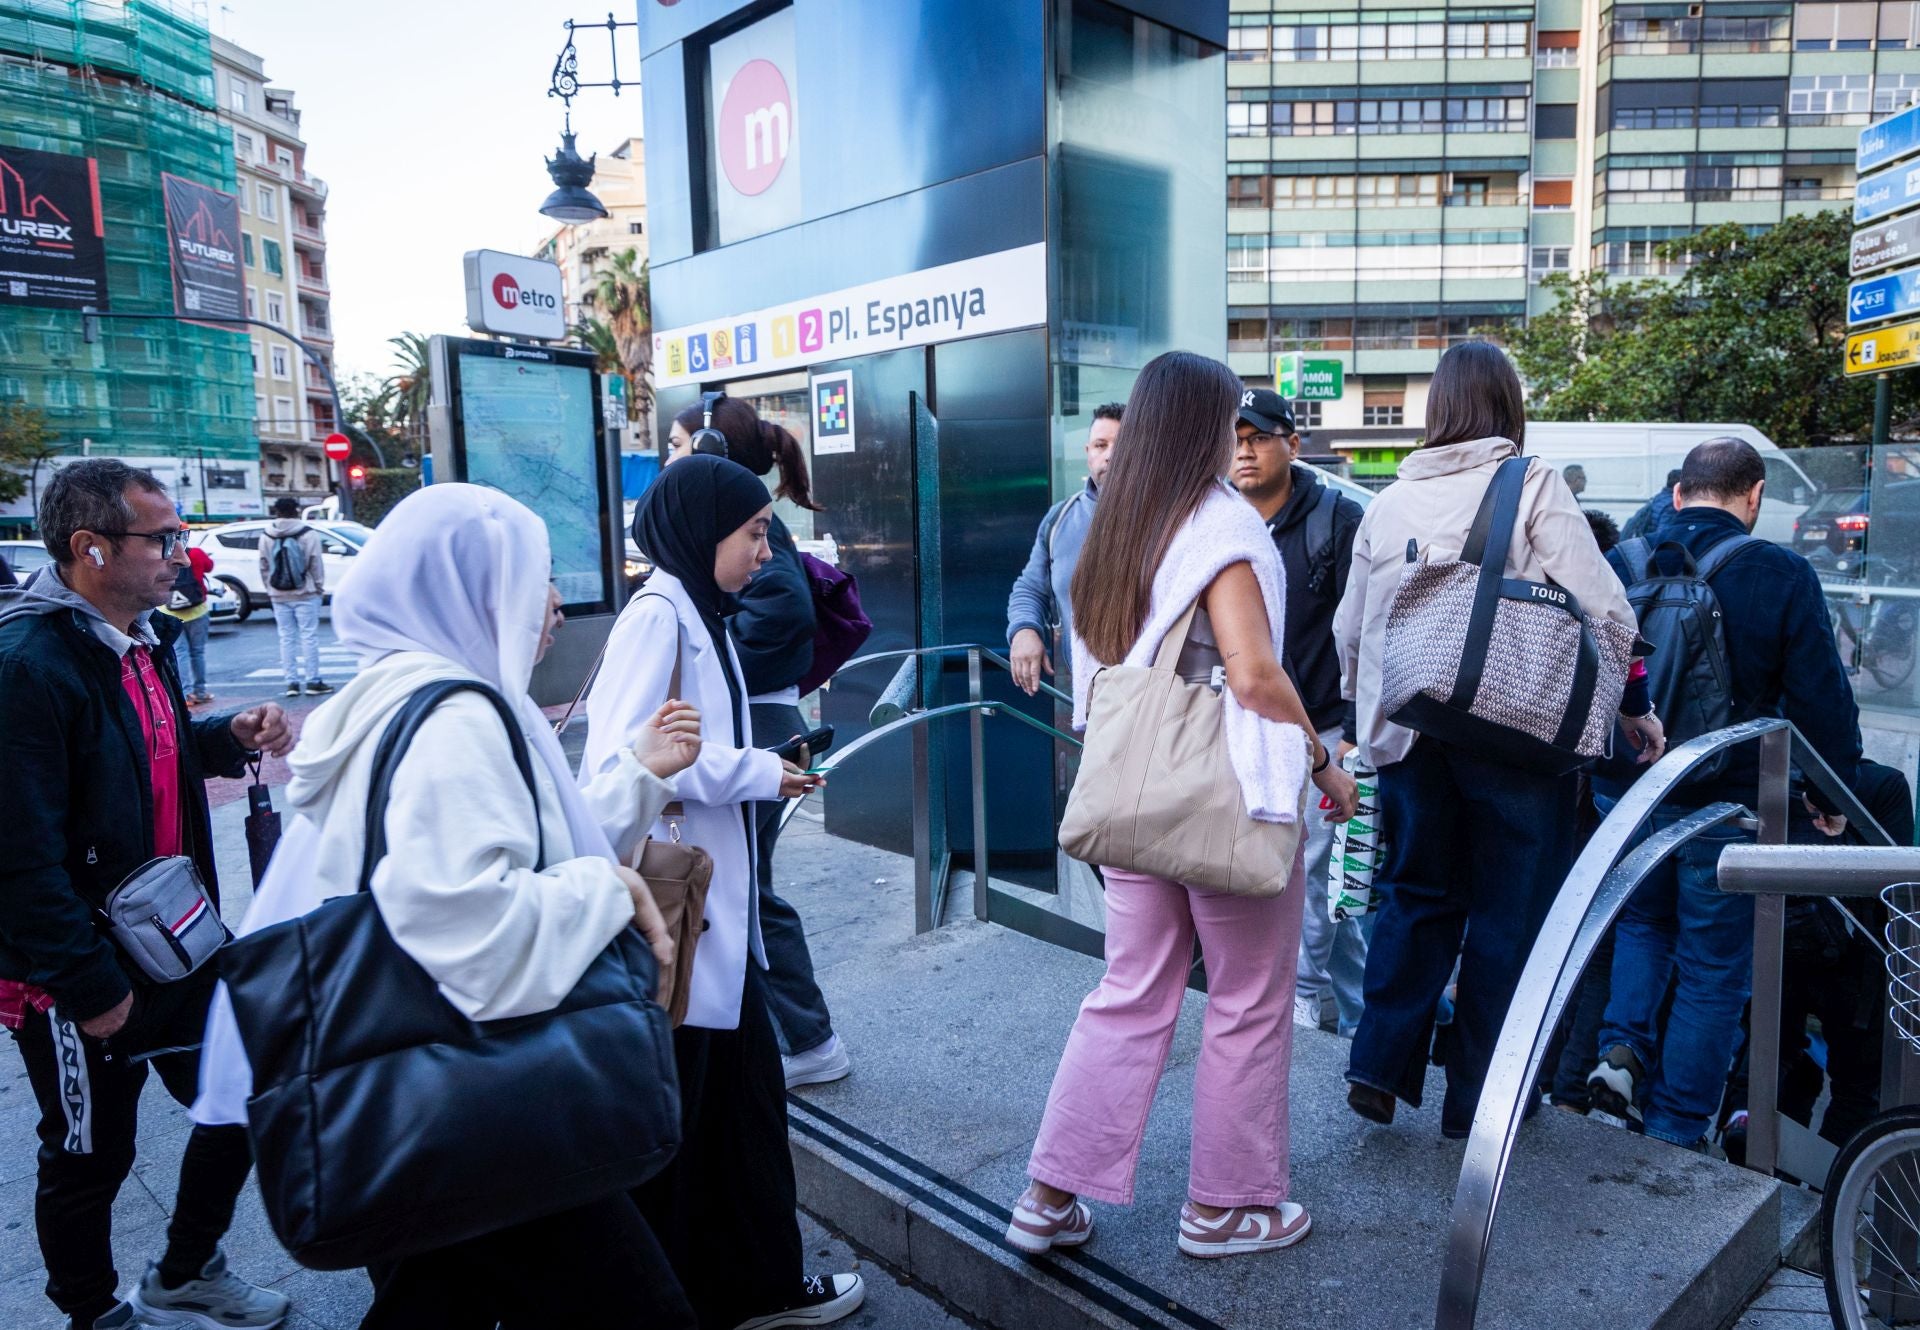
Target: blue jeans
{"x":1476,"y":850}
{"x":190,"y":652}
{"x":1680,"y":928}
{"x":299,"y":624}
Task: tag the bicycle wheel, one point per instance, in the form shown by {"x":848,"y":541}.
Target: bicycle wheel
{"x":1870,"y":1225}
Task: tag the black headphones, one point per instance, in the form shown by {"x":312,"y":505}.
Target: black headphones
{"x":707,"y":439}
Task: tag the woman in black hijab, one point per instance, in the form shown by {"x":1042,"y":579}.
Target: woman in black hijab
{"x":724,"y":1209}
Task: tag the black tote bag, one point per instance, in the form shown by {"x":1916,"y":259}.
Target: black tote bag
{"x":385,"y":1123}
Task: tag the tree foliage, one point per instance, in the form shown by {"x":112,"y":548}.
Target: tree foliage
{"x":1752,"y":331}
{"x":623,"y":298}
{"x":25,"y":440}
{"x":410,"y":387}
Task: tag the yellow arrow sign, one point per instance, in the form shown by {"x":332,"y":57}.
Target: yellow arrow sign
{"x":1896,"y":346}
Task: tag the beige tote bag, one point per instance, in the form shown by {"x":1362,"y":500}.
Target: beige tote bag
{"x":1157,"y":792}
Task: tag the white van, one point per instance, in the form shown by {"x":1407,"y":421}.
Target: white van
{"x":1625,"y":465}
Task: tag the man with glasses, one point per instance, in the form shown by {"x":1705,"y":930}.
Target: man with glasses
{"x":1312,"y":526}
{"x":106,"y":771}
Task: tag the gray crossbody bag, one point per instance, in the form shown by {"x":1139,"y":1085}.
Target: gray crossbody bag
{"x":164,"y":920}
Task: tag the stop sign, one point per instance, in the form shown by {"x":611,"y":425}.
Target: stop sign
{"x":339,"y":447}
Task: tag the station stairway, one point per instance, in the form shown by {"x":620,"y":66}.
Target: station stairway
{"x":955,"y":1034}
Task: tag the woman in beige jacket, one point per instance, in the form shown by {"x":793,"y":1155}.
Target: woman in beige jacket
{"x":1476,"y":847}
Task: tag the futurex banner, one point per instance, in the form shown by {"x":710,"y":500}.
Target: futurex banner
{"x":203,"y":245}
{"x":53,"y":251}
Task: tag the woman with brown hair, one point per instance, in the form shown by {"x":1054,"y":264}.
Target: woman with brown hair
{"x":1476,"y":846}
{"x":1170,"y":534}
{"x":773,"y":632}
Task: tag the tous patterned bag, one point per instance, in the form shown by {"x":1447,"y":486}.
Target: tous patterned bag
{"x":1508,"y":668}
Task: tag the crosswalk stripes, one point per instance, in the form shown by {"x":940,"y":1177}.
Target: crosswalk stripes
{"x":336,"y":662}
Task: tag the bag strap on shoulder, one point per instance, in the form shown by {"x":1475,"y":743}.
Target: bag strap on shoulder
{"x":394,"y":742}
{"x":1637,"y":554}
{"x":1722,"y":554}
{"x":1488,"y":543}
{"x":1168,"y":656}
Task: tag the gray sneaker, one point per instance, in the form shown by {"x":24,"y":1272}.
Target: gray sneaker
{"x":123,"y":1317}
{"x":217,"y":1300}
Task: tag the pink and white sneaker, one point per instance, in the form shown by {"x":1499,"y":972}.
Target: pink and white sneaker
{"x":1036,"y":1229}
{"x":1243,"y":1230}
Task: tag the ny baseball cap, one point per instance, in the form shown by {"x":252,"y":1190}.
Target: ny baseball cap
{"x":1266,"y":410}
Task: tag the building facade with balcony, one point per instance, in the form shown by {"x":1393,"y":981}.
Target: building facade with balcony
{"x":1401,"y":179}
{"x":284,"y":249}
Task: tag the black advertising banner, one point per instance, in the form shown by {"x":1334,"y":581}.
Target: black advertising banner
{"x":53,"y":251}
{"x":203,"y":242}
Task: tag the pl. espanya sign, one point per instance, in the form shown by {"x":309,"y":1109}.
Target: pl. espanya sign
{"x":992,"y":293}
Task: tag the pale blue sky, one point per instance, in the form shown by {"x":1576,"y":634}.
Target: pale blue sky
{"x":430,"y":121}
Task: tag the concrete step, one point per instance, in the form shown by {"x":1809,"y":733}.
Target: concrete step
{"x":955,"y":1036}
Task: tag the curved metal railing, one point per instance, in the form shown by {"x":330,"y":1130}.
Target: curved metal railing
{"x":1594,"y":893}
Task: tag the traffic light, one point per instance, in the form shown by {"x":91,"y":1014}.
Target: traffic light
{"x":357,"y":476}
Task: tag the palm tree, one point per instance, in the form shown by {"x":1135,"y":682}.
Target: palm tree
{"x":410,"y":387}
{"x":593,"y":335}
{"x":622,"y":296}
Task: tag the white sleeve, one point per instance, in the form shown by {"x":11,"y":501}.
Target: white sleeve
{"x":457,"y":888}
{"x":625,"y":800}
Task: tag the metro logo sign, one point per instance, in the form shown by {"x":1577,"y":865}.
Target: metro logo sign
{"x":514,"y":296}
{"x":756,"y":127}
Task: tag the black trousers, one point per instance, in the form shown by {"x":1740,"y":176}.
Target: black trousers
{"x":598,"y":1265}
{"x":89,"y":1099}
{"x":799,"y":1009}
{"x":724,"y":1208}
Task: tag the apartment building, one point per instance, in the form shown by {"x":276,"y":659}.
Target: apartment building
{"x":284,"y":249}
{"x":1402,"y":178}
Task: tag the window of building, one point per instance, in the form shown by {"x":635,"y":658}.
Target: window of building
{"x":1899,"y":25}
{"x":636,"y":228}
{"x":276,"y":309}
{"x":1289,"y":334}
{"x":1741,"y":103}
{"x":253,"y":344}
{"x":283,"y":158}
{"x":1249,"y":191}
{"x":246,"y":248}
{"x":1247,"y":119}
{"x":1303,"y":41}
{"x":1545,"y":259}
{"x":1468,"y":191}
{"x":1248,"y":43}
{"x":1894,"y":92}
{"x":1555,"y":121}
{"x":1418,"y":190}
{"x":1843,"y":27}
{"x":1307,"y":415}
{"x":1648,"y":184}
{"x":1246,"y":334}
{"x":266,"y":201}
{"x":282,"y":362}
{"x":1246,"y":258}
{"x":12,"y":389}
{"x":243,"y":145}
{"x":252,"y":302}
{"x":283,"y":418}
{"x":270,"y":257}
{"x":1383,"y":412}
{"x":1830,"y":99}
{"x":237,"y":95}
{"x":1552,"y":195}
{"x":1314,"y":191}
{"x":59,"y":344}
{"x":240,"y":197}
{"x":1557,"y":50}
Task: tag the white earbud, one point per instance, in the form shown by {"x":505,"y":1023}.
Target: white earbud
{"x":93,"y":552}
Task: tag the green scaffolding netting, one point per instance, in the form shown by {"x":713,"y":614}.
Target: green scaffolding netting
{"x":130,"y":85}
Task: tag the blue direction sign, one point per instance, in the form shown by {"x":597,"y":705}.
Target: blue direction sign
{"x":1888,"y":141}
{"x":1884,"y":297}
{"x":1893,"y":190}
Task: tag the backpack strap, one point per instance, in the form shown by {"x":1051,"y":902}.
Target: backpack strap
{"x":1637,"y":554}
{"x":1720,"y":555}
{"x":1319,"y":534}
{"x":1488,"y":542}
{"x":1053,"y":521}
{"x":394,"y":742}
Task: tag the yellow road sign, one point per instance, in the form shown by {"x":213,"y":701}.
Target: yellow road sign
{"x":1896,"y":346}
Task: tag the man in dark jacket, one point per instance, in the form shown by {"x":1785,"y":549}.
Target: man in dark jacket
{"x":1679,"y":927}
{"x":1313,"y":526}
{"x":1652,"y":514}
{"x":106,"y":770}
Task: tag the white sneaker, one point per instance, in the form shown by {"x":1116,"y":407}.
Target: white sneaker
{"x":818,"y":1066}
{"x":1306,"y":1012}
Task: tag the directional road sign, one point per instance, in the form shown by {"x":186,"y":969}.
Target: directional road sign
{"x":1893,"y":190}
{"x":1300,"y":379}
{"x":1886,"y":243}
{"x":1887,"y":296}
{"x":1888,"y":141}
{"x":1895,"y":346}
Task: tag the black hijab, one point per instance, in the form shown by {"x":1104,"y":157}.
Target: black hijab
{"x":698,"y":502}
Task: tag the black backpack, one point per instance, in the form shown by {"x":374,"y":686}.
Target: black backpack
{"x":1688,"y":675}
{"x":187,"y":591}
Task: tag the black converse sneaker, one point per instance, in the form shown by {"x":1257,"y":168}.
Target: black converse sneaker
{"x":824,"y":1299}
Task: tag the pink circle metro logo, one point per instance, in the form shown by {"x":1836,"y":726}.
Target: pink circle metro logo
{"x":506,"y":292}
{"x":755,"y":127}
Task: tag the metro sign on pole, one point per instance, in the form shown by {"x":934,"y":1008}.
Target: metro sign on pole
{"x":1887,"y":296}
{"x":1896,"y":346}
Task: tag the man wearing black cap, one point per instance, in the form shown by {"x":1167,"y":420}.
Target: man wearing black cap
{"x":1313,"y":526}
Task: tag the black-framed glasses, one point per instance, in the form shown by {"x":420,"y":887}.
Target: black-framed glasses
{"x":171,"y":542}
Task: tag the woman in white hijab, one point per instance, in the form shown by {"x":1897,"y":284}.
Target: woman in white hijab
{"x":454,"y":585}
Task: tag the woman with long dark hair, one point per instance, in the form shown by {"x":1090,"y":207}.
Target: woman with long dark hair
{"x":1475,"y":846}
{"x":773,"y":632}
{"x":1170,"y":534}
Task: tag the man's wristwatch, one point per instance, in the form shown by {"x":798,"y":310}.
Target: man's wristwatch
{"x":1645,"y":715}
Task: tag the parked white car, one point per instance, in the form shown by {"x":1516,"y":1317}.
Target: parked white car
{"x":235,"y":551}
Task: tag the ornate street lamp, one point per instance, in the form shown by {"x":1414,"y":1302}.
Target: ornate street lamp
{"x":571,"y":200}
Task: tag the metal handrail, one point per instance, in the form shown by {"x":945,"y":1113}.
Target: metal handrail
{"x":1594,"y":893}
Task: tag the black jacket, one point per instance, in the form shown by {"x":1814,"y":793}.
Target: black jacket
{"x":773,"y":631}
{"x":79,"y":801}
{"x":1312,"y":662}
{"x":1780,"y":651}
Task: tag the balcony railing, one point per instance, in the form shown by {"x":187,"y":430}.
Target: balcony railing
{"x":313,"y":284}
{"x":316,"y":332}
{"x":308,"y":235}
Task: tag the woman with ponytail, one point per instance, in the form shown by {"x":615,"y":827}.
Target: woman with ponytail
{"x":773,"y":633}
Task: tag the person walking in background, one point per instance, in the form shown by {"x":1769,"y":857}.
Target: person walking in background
{"x":187,"y":603}
{"x":773,"y":633}
{"x":295,"y":574}
{"x":1040,"y":601}
{"x":106,"y":771}
{"x":1476,"y":847}
{"x":1653,"y":514}
{"x":725,"y":1206}
{"x":1312,"y":526}
{"x":1169,"y":530}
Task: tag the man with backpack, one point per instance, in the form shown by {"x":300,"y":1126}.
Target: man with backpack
{"x":295,"y":574}
{"x":1312,"y":526}
{"x":187,"y":603}
{"x":1042,"y":594}
{"x":1740,"y":630}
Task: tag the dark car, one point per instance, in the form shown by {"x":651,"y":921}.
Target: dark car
{"x":1836,"y":522}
